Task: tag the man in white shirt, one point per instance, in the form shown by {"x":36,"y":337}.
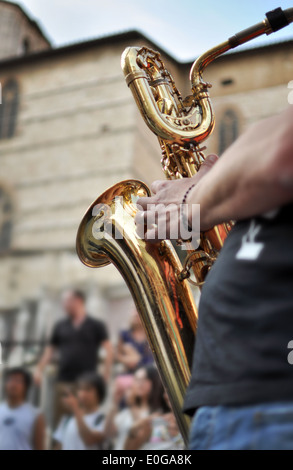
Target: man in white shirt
{"x":22,"y":426}
{"x":84,"y":429}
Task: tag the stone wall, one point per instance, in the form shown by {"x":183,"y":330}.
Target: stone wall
{"x":18,"y":34}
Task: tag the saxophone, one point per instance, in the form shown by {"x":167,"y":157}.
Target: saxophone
{"x":107,"y":234}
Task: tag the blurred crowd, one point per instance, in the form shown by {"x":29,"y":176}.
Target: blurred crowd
{"x":115,"y":404}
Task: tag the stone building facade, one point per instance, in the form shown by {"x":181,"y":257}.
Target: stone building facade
{"x":69,"y":128}
{"x":19,"y":34}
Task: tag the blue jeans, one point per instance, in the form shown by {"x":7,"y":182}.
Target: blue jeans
{"x":259,"y":427}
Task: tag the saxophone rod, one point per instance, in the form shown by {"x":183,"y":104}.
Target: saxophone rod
{"x":275,"y":20}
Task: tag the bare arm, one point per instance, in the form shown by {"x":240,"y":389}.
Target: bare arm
{"x":127,"y":355}
{"x":252,"y":177}
{"x":39,"y":433}
{"x":89,"y":436}
{"x":107,"y":346}
{"x":57,"y":446}
{"x":44,"y":361}
{"x":110,"y":426}
{"x":120,"y":351}
{"x":139,"y":434}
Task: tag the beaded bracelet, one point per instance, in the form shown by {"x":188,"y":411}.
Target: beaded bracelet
{"x":187,"y":192}
{"x":184,"y":219}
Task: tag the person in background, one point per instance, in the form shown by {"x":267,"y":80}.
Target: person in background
{"x":119,"y":422}
{"x":161,"y":430}
{"x":77,"y":338}
{"x":158,"y":430}
{"x":133,"y":352}
{"x":83,"y":429}
{"x":144,"y":399}
{"x":22,"y":426}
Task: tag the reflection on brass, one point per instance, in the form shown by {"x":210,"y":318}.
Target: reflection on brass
{"x":107,"y":233}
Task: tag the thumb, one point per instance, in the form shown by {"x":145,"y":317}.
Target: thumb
{"x":208,"y":164}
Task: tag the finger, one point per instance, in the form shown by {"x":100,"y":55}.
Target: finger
{"x":157,"y":185}
{"x":208,"y":163}
{"x":212,"y":158}
{"x":143,"y":202}
{"x":151,"y":236}
{"x":140,"y":218}
{"x":157,"y":228}
{"x":147,"y":217}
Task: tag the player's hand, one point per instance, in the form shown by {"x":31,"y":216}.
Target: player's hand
{"x":168,"y":194}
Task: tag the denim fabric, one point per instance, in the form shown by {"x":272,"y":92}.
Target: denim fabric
{"x":259,"y":427}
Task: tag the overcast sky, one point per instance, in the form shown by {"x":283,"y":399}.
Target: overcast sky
{"x":183,"y":27}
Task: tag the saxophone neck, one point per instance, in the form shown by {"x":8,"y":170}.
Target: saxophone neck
{"x":274,"y":21}
{"x":184,"y":122}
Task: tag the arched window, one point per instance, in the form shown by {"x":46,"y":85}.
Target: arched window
{"x":228,"y":129}
{"x":6,"y":212}
{"x":9,"y":109}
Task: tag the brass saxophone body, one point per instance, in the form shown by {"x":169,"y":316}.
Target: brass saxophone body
{"x":107,"y":234}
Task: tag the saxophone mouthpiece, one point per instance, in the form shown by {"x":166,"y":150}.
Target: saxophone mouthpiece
{"x":275,"y":20}
{"x":279,"y":19}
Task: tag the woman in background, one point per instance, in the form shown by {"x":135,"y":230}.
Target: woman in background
{"x":133,"y":352}
{"x":143,"y":398}
{"x":158,"y":430}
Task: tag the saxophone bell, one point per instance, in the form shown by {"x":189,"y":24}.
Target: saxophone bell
{"x":166,"y":306}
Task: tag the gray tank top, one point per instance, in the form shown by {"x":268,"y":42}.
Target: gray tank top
{"x":17,"y":427}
